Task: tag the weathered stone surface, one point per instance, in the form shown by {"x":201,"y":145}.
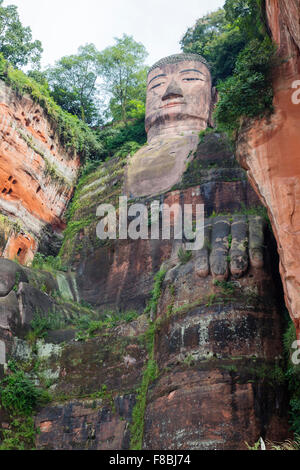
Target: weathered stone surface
{"x":121,"y":275}
{"x":94,"y":413}
{"x":217,"y":350}
{"x":211,"y":408}
{"x":42,"y":280}
{"x":220,"y":246}
{"x":269,"y":150}
{"x":10,"y":318}
{"x":29,"y":195}
{"x":202,"y":265}
{"x":158,"y":166}
{"x":33,"y":302}
{"x":10,"y":275}
{"x":217,"y":341}
{"x":2,"y":352}
{"x":102,"y":361}
{"x":86,"y":425}
{"x":239,"y":243}
{"x":60,"y":336}
{"x":257,"y":227}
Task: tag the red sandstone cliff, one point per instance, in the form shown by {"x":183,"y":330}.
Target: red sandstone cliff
{"x":269,"y":149}
{"x":36,"y":175}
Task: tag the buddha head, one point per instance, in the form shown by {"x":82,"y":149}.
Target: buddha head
{"x":179,"y":96}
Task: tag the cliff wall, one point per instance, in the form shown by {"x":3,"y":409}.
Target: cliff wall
{"x":269,"y":149}
{"x":37,"y":176}
{"x":199,"y":364}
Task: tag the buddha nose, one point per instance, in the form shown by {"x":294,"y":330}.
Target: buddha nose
{"x":173,"y":91}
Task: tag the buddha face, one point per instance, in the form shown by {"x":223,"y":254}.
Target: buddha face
{"x":178,"y":98}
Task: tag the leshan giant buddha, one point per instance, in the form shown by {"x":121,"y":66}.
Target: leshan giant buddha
{"x":179,"y":106}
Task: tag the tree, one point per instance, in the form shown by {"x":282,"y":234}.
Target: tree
{"x":73,"y":83}
{"x":248,"y":15}
{"x":16,"y":43}
{"x":248,"y":92}
{"x":218,"y":40}
{"x":124,"y":76}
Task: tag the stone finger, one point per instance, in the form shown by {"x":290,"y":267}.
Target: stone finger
{"x":202,"y":267}
{"x":257,"y":226}
{"x":219,"y":254}
{"x":239,"y":246}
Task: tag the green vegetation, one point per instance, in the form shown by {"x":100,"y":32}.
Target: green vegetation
{"x":16,"y":40}
{"x":48,"y":263}
{"x":73,"y":134}
{"x":55,"y":175}
{"x":248,"y":93}
{"x":17,"y":281}
{"x":286,"y":445}
{"x":184,"y":255}
{"x":215,"y":38}
{"x":227,"y":288}
{"x":260,"y":211}
{"x":115,"y":137}
{"x":88,"y":327}
{"x":85,"y":321}
{"x":156,"y":292}
{"x":124,"y":78}
{"x":235,"y":42}
{"x":41,"y":324}
{"x":205,"y":132}
{"x":21,"y":434}
{"x":104,"y":395}
{"x":150,"y":374}
{"x":19,"y":395}
{"x":73,"y":83}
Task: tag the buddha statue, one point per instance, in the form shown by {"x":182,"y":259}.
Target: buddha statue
{"x":178,"y":96}
{"x":178,"y":107}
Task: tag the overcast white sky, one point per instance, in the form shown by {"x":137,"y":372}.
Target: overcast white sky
{"x":64,"y":25}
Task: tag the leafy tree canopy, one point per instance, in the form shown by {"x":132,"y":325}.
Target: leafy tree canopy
{"x":124,"y":76}
{"x":218,"y":40}
{"x":16,"y":42}
{"x":73,"y":83}
{"x":221,"y":35}
{"x":235,"y":42}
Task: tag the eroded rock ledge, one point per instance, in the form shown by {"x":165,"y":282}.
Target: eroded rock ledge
{"x":37,"y":176}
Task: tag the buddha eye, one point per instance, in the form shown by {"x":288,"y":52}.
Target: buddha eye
{"x":155,"y":86}
{"x":192,"y":79}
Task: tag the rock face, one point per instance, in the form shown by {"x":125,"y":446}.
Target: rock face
{"x":269,"y":149}
{"x":168,"y":348}
{"x":157,"y":167}
{"x":119,"y":273}
{"x":216,"y":331}
{"x":36,"y":177}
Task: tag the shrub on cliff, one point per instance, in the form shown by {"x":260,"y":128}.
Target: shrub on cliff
{"x":235,"y":42}
{"x":19,"y":395}
{"x":114,"y":137}
{"x":249,"y":91}
{"x":215,"y":38}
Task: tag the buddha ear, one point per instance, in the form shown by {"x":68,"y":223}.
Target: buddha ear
{"x":214,"y":100}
